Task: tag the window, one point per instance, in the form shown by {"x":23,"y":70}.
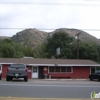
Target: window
{"x":51,"y":69}
{"x":60,"y":69}
{"x":17,"y":65}
{"x":34,"y":69}
{"x":63,"y":69}
{"x":57,"y":69}
{"x":68,"y":69}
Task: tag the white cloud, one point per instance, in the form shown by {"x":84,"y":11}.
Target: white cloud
{"x":52,"y":15}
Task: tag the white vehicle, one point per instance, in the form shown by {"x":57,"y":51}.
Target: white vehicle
{"x":0,"y":72}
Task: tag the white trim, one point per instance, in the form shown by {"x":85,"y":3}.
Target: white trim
{"x":36,"y":74}
{"x":6,"y":63}
{"x":79,"y":65}
{"x":11,"y":63}
{"x":59,"y":64}
{"x":41,"y":64}
{"x":64,"y":65}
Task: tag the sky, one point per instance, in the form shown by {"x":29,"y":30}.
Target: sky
{"x":48,"y":15}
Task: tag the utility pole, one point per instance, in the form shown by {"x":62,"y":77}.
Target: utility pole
{"x":77,"y":38}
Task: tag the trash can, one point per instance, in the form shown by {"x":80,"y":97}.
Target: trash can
{"x":49,"y":76}
{"x":45,"y":76}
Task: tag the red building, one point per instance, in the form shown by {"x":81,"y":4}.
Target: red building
{"x":53,"y":68}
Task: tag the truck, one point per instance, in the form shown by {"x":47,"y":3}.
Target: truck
{"x":95,"y":75}
{"x":17,"y":71}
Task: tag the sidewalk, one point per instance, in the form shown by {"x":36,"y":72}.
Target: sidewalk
{"x":52,"y":79}
{"x":65,"y":79}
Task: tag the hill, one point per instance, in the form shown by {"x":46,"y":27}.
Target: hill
{"x":84,"y":36}
{"x":30,"y":37}
{"x":34,"y":37}
{"x":4,"y":37}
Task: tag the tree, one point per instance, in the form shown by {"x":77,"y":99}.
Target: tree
{"x":62,"y":40}
{"x":19,"y":50}
{"x":40,"y":51}
{"x":7,"y":51}
{"x":89,"y":51}
{"x":28,"y":51}
{"x":98,"y":48}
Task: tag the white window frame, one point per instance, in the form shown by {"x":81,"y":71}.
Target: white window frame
{"x":60,"y":69}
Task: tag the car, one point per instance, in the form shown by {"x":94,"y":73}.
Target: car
{"x":17,"y":71}
{"x":95,"y":75}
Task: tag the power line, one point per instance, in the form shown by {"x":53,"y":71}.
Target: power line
{"x":47,"y":29}
{"x":46,"y":3}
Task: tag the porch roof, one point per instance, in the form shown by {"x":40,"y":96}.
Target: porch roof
{"x":49,"y":62}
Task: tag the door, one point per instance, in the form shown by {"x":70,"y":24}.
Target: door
{"x":93,"y":69}
{"x":41,"y":72}
{"x":35,"y":72}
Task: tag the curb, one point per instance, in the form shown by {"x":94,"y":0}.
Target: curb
{"x":66,"y":79}
{"x":58,"y":79}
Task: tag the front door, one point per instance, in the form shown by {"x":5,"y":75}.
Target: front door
{"x":41,"y":72}
{"x":35,"y":72}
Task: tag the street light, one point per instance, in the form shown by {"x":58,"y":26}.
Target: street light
{"x":77,"y":38}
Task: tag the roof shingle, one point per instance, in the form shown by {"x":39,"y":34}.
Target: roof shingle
{"x":45,"y":61}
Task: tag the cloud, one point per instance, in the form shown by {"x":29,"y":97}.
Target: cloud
{"x":47,"y":16}
{"x":37,"y":16}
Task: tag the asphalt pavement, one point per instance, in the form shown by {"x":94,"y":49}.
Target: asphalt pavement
{"x":42,"y":89}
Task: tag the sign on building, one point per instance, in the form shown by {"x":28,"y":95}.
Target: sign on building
{"x":58,"y":51}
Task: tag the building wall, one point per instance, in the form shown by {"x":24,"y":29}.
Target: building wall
{"x":29,"y":72}
{"x":77,"y":73}
{"x":45,"y":70}
{"x":4,"y":70}
{"x":80,"y":72}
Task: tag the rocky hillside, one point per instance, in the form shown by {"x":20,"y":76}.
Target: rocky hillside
{"x":30,"y":37}
{"x":34,"y":37}
{"x":4,"y":37}
{"x":84,"y":37}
